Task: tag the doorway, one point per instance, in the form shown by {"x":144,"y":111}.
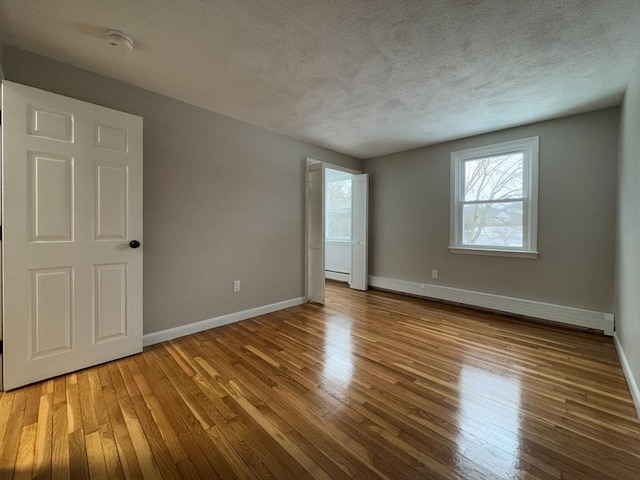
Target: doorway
{"x":336,"y":227}
{"x":337,"y":221}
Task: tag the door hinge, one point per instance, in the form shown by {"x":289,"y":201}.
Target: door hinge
{"x":0,"y":347}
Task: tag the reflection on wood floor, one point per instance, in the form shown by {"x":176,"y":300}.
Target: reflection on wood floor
{"x":372,"y":385}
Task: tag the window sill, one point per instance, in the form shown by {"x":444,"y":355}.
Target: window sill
{"x":494,"y":252}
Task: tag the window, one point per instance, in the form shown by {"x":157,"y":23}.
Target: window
{"x":338,"y":210}
{"x":494,"y":206}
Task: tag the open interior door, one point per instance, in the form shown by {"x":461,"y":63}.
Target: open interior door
{"x":72,"y":222}
{"x":359,"y":231}
{"x":315,"y":232}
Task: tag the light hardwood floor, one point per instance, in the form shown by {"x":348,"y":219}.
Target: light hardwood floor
{"x":372,"y":385}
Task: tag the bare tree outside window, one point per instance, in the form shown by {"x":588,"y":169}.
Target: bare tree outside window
{"x":493,"y":204}
{"x":338,"y":210}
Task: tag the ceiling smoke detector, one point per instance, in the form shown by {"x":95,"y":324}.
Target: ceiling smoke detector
{"x":120,"y":41}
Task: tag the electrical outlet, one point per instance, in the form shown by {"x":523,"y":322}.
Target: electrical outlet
{"x":236,"y":285}
{"x":434,"y":273}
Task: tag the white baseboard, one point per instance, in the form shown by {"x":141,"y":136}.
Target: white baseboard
{"x":181,"y":331}
{"x":626,"y":368}
{"x":518,"y":306}
{"x":340,"y":277}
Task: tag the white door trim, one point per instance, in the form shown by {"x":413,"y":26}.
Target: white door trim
{"x":1,"y":303}
{"x":315,"y":246}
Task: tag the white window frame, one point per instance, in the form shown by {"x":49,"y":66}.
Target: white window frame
{"x":529,"y":147}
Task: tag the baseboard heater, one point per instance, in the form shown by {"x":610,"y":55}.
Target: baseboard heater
{"x":578,"y":317}
{"x":335,"y":275}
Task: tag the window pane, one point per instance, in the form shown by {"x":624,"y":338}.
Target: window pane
{"x":494,"y":178}
{"x":493,"y":224}
{"x":339,"y":194}
{"x":339,"y":224}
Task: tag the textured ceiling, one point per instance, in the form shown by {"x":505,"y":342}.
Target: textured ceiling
{"x":363,"y":77}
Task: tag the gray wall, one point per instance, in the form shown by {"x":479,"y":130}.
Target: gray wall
{"x":409,"y":216}
{"x":223,"y":200}
{"x":627,"y":306}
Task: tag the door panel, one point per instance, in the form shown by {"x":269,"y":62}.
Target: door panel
{"x":110,"y":297}
{"x":111,"y":201}
{"x":72,"y":201}
{"x":315,"y":232}
{"x":49,"y":124}
{"x":51,"y":197}
{"x":108,"y":136}
{"x":359,"y":226}
{"x":51,"y":312}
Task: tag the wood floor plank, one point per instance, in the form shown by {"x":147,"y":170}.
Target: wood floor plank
{"x":161,"y":453}
{"x":32,"y":404}
{"x":95,"y":456}
{"x":6,"y":403}
{"x":42,"y":459}
{"x":126,"y":453}
{"x":78,"y":462}
{"x":139,"y":441}
{"x":371,"y":385}
{"x":87,"y":405}
{"x":12,"y":431}
{"x":60,"y":435}
{"x":24,"y":460}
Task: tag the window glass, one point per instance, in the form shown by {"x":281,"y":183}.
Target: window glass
{"x":493,"y":224}
{"x":338,"y":210}
{"x":494,"y":178}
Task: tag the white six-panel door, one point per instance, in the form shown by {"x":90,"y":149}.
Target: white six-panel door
{"x":72,"y":203}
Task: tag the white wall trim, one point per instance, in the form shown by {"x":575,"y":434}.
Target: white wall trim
{"x":494,"y":252}
{"x":518,"y":306}
{"x":626,"y":368}
{"x":338,"y":276}
{"x":181,"y":331}
{"x":1,"y":249}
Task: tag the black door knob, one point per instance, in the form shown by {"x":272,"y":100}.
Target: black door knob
{"x":134,"y":243}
